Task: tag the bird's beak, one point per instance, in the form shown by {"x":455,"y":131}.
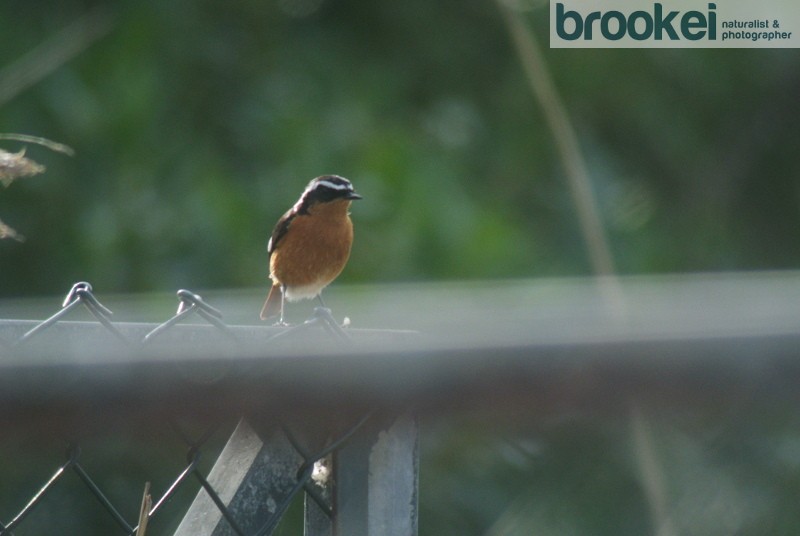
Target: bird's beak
{"x":353,"y":195}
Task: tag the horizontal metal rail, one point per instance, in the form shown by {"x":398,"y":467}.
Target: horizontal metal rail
{"x":699,"y":337}
{"x":538,"y":348}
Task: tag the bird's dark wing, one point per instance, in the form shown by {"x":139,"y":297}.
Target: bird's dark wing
{"x":280,"y":230}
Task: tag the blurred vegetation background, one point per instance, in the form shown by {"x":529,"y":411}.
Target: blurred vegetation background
{"x":196,"y":124}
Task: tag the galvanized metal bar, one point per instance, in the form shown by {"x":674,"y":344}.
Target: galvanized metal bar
{"x":376,"y":479}
{"x":316,"y":521}
{"x":251,"y":477}
{"x":683,"y":344}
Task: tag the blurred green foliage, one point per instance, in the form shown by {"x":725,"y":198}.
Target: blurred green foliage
{"x":197,"y":123}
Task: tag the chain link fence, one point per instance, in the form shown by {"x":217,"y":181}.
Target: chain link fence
{"x":316,"y":424}
{"x":266,"y":464}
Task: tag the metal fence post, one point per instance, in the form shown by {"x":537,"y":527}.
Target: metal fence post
{"x":375,"y":479}
{"x":317,"y":522}
{"x":251,"y":478}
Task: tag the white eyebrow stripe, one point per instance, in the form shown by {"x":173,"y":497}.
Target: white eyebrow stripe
{"x":333,"y":185}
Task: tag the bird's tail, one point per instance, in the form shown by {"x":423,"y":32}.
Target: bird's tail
{"x":272,"y":306}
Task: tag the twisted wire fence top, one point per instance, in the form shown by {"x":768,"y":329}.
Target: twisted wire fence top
{"x":190,"y":306}
{"x":453,"y":341}
{"x":126,"y":341}
{"x":549,"y":347}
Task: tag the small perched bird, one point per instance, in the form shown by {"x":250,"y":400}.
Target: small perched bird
{"x":310,"y":244}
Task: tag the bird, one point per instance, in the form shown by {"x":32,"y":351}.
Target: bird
{"x":310,"y":245}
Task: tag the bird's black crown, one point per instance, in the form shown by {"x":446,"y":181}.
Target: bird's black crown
{"x":326,"y":188}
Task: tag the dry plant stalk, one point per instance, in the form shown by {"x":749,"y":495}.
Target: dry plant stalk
{"x":13,"y":166}
{"x":8,"y":232}
{"x":144,"y":510}
{"x":16,"y":165}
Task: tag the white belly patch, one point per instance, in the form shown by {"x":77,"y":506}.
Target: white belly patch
{"x":304,"y":292}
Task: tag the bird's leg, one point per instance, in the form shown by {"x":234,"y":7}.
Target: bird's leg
{"x":323,"y":313}
{"x":324,"y":307}
{"x":283,"y":301}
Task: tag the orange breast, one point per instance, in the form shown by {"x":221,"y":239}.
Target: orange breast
{"x":316,"y":246}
